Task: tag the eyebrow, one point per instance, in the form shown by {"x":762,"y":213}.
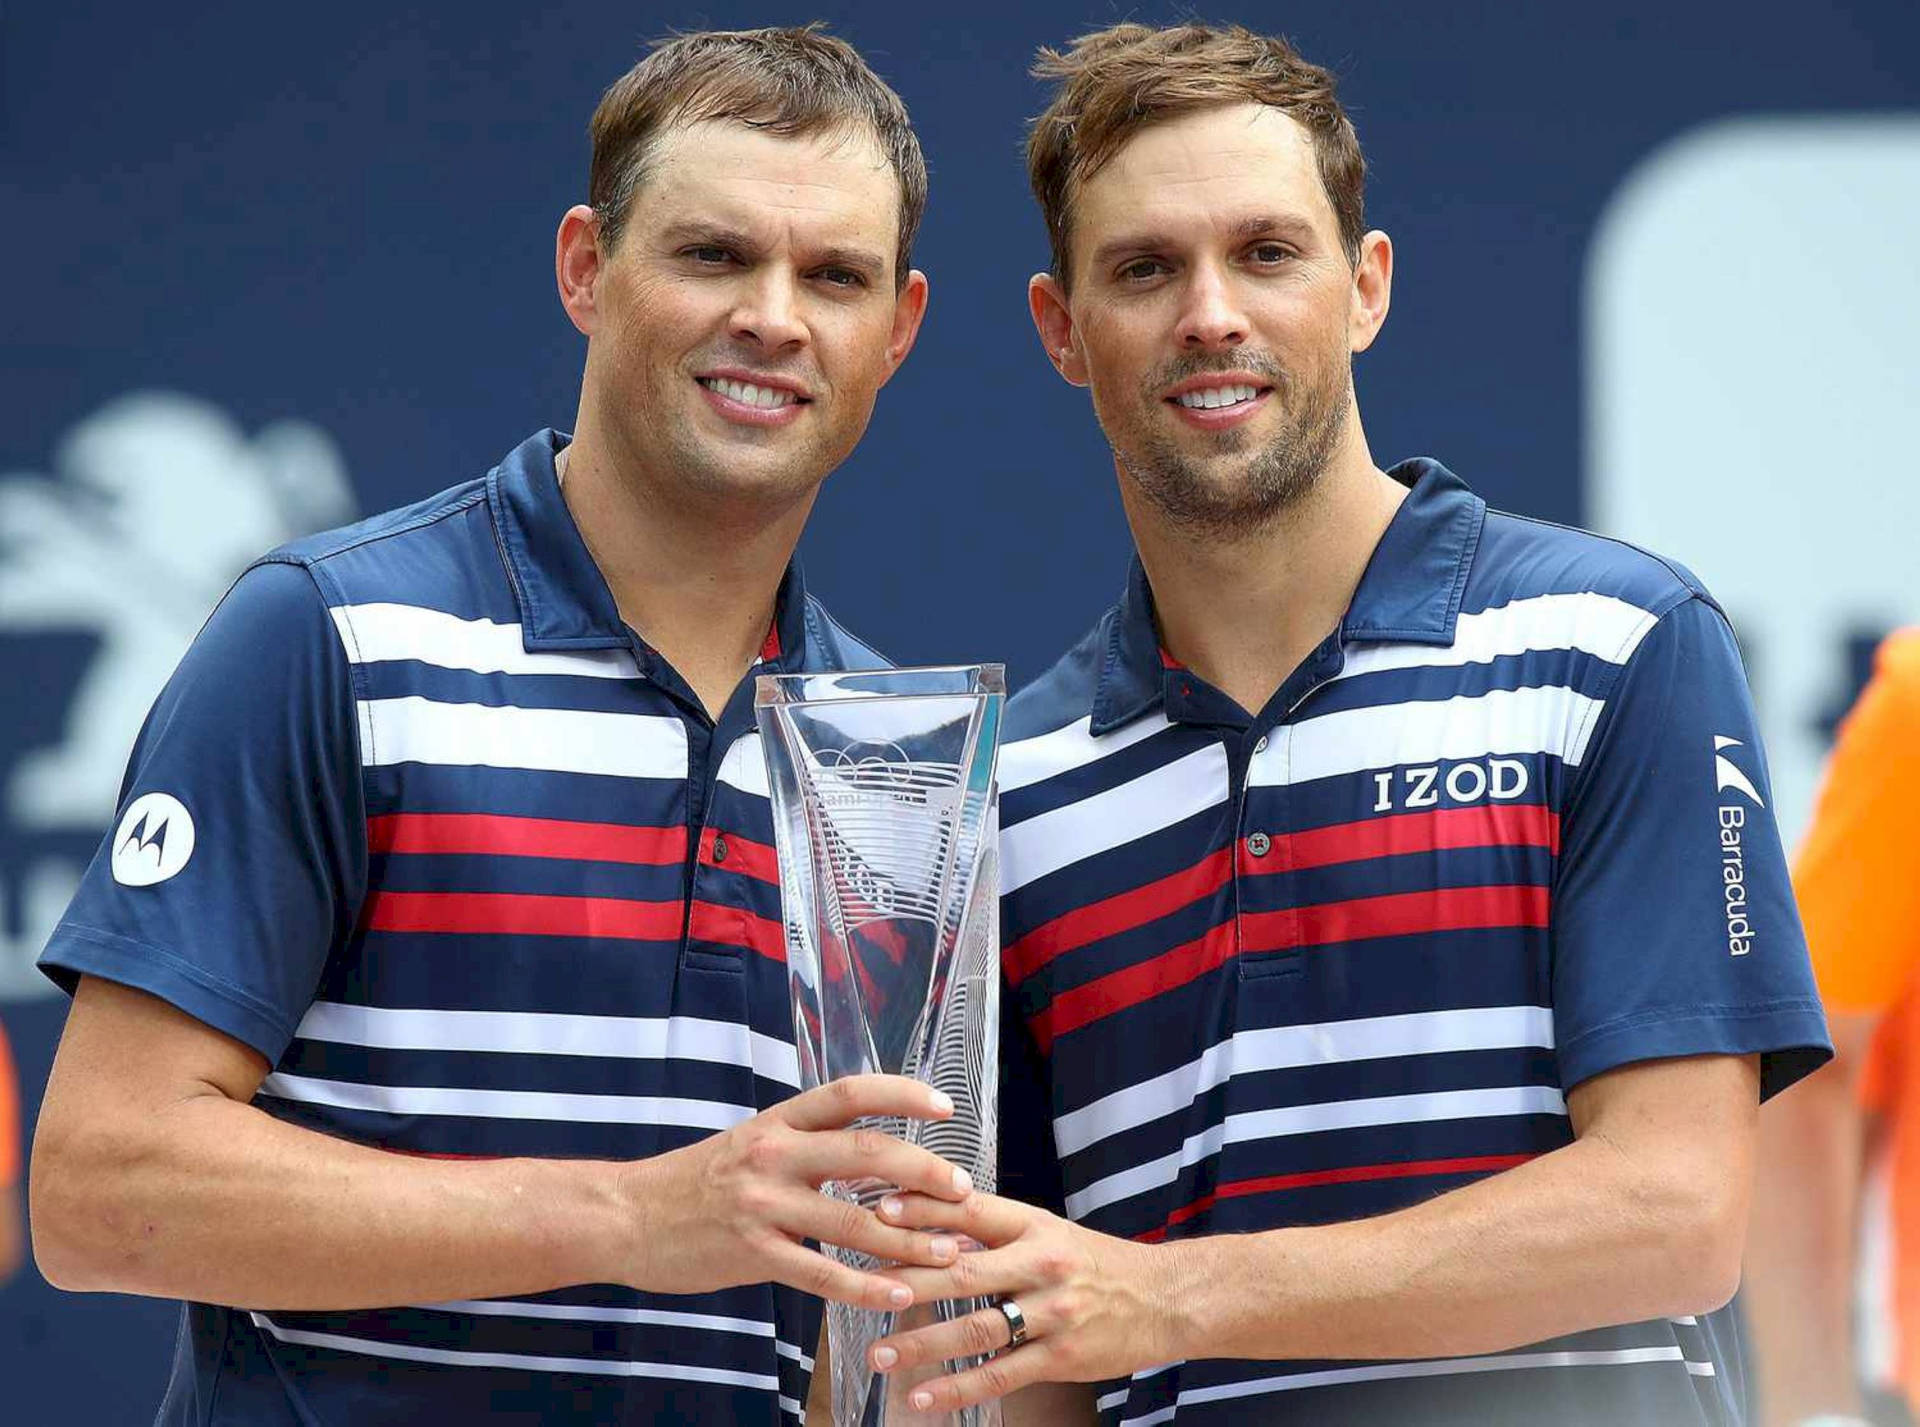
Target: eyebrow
{"x":1256,"y":226}
{"x":864,"y":261}
{"x":868,"y":264}
{"x":718,"y":234}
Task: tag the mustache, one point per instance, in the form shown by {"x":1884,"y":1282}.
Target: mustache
{"x":1195,"y":364}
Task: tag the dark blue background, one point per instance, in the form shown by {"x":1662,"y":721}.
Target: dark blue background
{"x":345,"y":214}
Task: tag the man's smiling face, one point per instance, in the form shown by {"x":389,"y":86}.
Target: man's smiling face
{"x":749,"y":312}
{"x":1210,"y":304}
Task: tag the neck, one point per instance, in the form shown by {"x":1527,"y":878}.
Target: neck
{"x":696,"y":579}
{"x":1243,"y":612}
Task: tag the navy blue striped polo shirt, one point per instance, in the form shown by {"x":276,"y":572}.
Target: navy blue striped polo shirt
{"x":1504,"y":830}
{"x":467,"y":863}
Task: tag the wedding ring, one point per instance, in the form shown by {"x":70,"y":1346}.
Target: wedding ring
{"x":1016,"y":1321}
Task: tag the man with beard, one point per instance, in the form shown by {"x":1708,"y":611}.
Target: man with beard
{"x":430,"y":1033}
{"x":1396,"y":933}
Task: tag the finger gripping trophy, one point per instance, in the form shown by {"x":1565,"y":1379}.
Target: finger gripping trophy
{"x":885,"y":816}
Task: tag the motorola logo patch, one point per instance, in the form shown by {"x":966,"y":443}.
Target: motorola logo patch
{"x":153,"y":842}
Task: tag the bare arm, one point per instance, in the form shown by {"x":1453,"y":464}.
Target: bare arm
{"x":13,"y":1231}
{"x":153,"y":1174}
{"x":1800,"y":1262}
{"x":1643,"y":1216}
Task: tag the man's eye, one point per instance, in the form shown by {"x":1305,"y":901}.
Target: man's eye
{"x":708,"y":253}
{"x":1140,"y":269}
{"x":842,"y":277}
{"x":1270,"y":253}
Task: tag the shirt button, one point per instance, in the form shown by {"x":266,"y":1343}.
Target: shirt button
{"x":719,"y":848}
{"x":1259,"y":844}
{"x":1261,"y":746}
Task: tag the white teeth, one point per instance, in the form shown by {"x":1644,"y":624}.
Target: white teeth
{"x":1207,"y":398}
{"x":767,"y":398}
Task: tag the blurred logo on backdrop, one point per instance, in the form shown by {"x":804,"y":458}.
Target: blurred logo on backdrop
{"x":1751,"y":371}
{"x":108,"y":567}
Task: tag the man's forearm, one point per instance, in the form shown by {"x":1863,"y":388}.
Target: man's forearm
{"x":1575,"y":1239}
{"x":1800,"y":1263}
{"x":224,"y":1204}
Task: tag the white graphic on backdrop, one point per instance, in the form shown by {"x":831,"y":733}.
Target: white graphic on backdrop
{"x":155,"y":503}
{"x":1752,"y":375}
{"x":1751,"y":379}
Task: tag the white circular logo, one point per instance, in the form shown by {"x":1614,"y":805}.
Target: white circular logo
{"x":154,"y":840}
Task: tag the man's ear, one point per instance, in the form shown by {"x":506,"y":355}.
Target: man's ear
{"x":1053,"y":320}
{"x":576,"y":264}
{"x":909,"y":311}
{"x":1372,"y":291}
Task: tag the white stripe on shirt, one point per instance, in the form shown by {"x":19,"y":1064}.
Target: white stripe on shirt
{"x":677,"y":1112}
{"x":552,"y":1033}
{"x":1034,"y":760}
{"x":1312,"y":1119}
{"x":374,"y":633}
{"x":419,"y":730}
{"x":1504,"y":722}
{"x":1283,"y":1047}
{"x":1600,"y":625}
{"x":535,"y":1362}
{"x":1145,"y":805}
{"x":1383,"y":1372}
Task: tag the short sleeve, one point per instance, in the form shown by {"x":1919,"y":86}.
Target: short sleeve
{"x":237,"y":859}
{"x":1674,"y":927}
{"x":1029,"y":1169}
{"x":1855,"y":875}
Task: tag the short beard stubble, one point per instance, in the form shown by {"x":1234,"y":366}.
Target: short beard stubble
{"x":1278,"y":476}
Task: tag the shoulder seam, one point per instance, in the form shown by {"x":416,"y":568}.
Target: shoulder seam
{"x":1692,"y":586}
{"x":433,"y":517}
{"x":1606,"y":704}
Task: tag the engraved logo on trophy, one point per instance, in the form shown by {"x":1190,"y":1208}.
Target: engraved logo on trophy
{"x":888,"y":830}
{"x":885,"y":819}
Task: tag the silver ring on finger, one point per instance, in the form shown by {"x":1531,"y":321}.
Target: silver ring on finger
{"x":1016,"y":1321}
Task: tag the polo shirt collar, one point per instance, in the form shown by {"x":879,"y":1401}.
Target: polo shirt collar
{"x":564,"y":600}
{"x":1410,"y":592}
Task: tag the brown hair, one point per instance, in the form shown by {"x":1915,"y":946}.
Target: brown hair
{"x":797,"y":81}
{"x":1115,"y":82}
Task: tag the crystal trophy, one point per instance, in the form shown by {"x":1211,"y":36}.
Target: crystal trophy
{"x":885,"y":817}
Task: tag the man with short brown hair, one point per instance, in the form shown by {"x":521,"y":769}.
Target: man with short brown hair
{"x":1397,"y":936}
{"x":430,"y":1032}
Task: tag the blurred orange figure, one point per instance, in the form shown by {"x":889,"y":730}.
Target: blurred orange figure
{"x":1840,"y":1158}
{"x":12,"y":1230}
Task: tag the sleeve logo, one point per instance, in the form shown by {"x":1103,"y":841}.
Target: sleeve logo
{"x":1726,"y":775}
{"x":153,"y":842}
{"x":1733,"y":850}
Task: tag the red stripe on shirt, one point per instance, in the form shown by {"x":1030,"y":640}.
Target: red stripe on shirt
{"x":1488,"y":825}
{"x":509,"y":913}
{"x":1443,"y":909}
{"x":1352,"y":1174}
{"x":1131,"y":985}
{"x":749,"y":858}
{"x":1400,"y":914}
{"x":489,"y":833}
{"x":1113,"y":915}
{"x":737,"y":927}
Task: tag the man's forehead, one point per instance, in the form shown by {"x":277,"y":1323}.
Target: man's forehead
{"x":835,"y":179}
{"x":1201,"y":163}
{"x":838,"y":159}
